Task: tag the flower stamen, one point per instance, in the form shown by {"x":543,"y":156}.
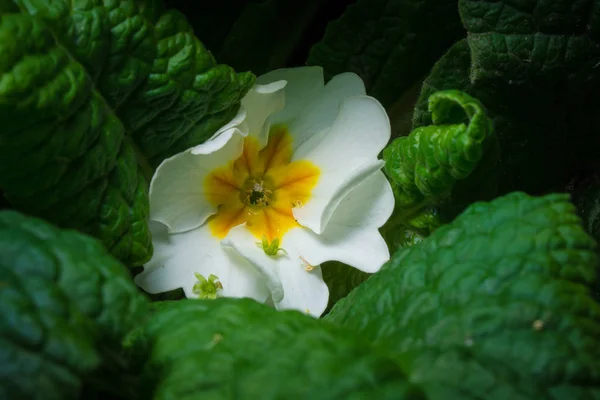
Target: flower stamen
{"x":257,"y":193}
{"x":261,"y":188}
{"x":308,"y":267}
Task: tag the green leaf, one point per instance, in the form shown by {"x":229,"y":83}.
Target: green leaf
{"x":587,"y":199}
{"x":490,"y":305}
{"x":237,"y":347}
{"x":426,"y":166}
{"x":212,"y":21}
{"x":266,"y":34}
{"x":65,"y":305}
{"x":390,"y":44}
{"x":404,"y":230}
{"x":93,"y":95}
{"x":341,"y":279}
{"x":533,"y":65}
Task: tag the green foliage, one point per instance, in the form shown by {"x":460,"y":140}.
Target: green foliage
{"x":229,"y":347}
{"x":499,"y":303}
{"x":212,"y":21}
{"x":267,"y":33}
{"x":533,"y":66}
{"x":341,"y":279}
{"x":256,"y":35}
{"x":65,"y":305}
{"x":587,"y":199}
{"x":496,"y":304}
{"x":93,"y":95}
{"x":426,"y":167}
{"x":390,"y":44}
{"x":426,"y":164}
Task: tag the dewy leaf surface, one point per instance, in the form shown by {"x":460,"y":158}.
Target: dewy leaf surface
{"x":93,"y":95}
{"x":390,"y":44}
{"x":238,"y":348}
{"x":495,"y":305}
{"x":62,"y":299}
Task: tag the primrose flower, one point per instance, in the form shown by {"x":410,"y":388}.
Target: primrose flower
{"x":291,"y":182}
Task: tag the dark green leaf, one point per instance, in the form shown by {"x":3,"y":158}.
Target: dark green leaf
{"x":212,"y":21}
{"x":495,"y":305}
{"x":65,"y":305}
{"x":227,"y":347}
{"x":390,"y":44}
{"x":587,"y":199}
{"x":93,"y":95}
{"x":341,"y":279}
{"x":265,"y":35}
{"x":533,"y":64}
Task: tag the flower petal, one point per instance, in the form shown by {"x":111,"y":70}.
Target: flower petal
{"x":352,"y":235}
{"x":178,"y":256}
{"x":302,"y":290}
{"x":260,"y":103}
{"x":311,"y":106}
{"x":238,"y":122}
{"x":304,"y":85}
{"x":346,"y":154}
{"x":178,"y":196}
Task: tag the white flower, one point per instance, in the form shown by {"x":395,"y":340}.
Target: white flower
{"x":297,"y":165}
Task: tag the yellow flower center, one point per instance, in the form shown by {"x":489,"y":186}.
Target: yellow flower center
{"x":260,"y":188}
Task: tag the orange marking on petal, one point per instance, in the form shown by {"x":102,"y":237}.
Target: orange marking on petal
{"x":227,"y":217}
{"x":271,"y":223}
{"x":261,"y":188}
{"x":221,"y":185}
{"x":249,"y":162}
{"x":294,"y":183}
{"x":278,"y":151}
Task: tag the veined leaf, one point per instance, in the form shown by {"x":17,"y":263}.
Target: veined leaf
{"x":65,"y":305}
{"x":93,"y":95}
{"x":491,"y":305}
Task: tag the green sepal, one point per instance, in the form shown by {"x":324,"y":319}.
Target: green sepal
{"x":207,"y":288}
{"x":270,"y":249}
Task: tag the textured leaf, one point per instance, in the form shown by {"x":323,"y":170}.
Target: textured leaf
{"x":390,"y":44}
{"x":404,"y":230}
{"x":426,"y":166}
{"x":341,"y":279}
{"x":91,"y":95}
{"x":587,"y":199}
{"x":533,"y":66}
{"x":238,"y":348}
{"x":495,"y":305}
{"x":427,"y":163}
{"x":212,"y":21}
{"x":266,"y":34}
{"x":65,"y":305}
